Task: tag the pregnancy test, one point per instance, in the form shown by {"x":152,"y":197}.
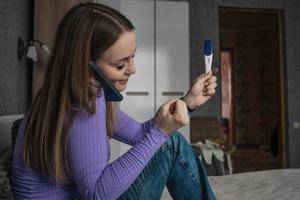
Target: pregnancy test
{"x":208,"y":55}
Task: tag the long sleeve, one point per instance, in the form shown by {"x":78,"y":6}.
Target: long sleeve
{"x":88,"y":151}
{"x":130,"y":131}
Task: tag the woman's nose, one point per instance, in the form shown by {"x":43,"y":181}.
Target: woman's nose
{"x":131,"y":67}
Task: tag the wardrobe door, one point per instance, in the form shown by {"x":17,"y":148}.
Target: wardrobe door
{"x":139,"y":95}
{"x":172,"y":52}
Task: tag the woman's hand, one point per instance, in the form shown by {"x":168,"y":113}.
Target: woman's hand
{"x":95,"y":86}
{"x":203,"y":87}
{"x":171,"y":116}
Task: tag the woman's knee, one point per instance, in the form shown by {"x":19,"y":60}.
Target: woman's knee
{"x":177,"y":140}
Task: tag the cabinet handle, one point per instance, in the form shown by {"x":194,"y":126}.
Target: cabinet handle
{"x":137,"y":93}
{"x":172,"y":93}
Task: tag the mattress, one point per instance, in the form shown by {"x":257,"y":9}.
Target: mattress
{"x":282,"y":184}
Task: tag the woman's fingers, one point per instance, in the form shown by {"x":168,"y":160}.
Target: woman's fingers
{"x":212,"y":79}
{"x":168,"y":106}
{"x":94,"y":82}
{"x":204,"y":77}
{"x":95,"y":86}
{"x":177,"y":106}
{"x":209,"y":92}
{"x":171,"y":116}
{"x":208,"y":75}
{"x":181,"y":113}
{"x":211,"y":86}
{"x":215,"y":70}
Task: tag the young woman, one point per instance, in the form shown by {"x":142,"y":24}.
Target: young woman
{"x":62,"y":148}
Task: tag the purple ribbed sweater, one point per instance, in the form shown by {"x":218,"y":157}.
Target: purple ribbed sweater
{"x":88,"y":150}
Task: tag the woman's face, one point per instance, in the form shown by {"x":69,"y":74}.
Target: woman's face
{"x":117,"y":62}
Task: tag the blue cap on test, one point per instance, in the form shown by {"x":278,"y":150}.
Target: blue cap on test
{"x":207,"y":47}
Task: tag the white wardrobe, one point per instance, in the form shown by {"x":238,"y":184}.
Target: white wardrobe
{"x":161,"y":60}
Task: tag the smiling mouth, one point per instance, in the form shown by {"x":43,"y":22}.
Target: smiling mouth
{"x":124,"y":81}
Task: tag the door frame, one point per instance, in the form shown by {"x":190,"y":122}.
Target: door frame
{"x":281,"y":71}
{"x":232,"y":136}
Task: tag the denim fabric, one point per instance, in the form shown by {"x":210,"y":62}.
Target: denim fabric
{"x":176,"y":166}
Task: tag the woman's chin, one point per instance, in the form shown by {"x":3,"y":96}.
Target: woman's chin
{"x":121,"y":88}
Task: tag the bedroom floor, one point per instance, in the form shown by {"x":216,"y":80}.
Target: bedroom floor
{"x":251,"y":158}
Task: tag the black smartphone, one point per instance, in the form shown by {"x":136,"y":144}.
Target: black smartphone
{"x":111,"y":93}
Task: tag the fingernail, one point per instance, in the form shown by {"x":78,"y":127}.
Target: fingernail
{"x":215,"y":70}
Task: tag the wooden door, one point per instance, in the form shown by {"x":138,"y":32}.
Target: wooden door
{"x":47,"y":15}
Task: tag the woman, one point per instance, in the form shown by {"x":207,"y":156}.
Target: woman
{"x":62,"y":148}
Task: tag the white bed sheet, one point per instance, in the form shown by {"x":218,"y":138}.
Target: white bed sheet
{"x":282,"y":184}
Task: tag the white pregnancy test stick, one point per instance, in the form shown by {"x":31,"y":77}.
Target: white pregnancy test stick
{"x":208,"y":55}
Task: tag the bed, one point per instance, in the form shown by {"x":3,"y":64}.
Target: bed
{"x":281,"y":184}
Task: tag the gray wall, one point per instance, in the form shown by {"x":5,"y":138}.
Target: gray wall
{"x":205,"y":24}
{"x":15,"y":76}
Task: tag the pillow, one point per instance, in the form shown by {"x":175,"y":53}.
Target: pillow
{"x":5,"y":172}
{"x":6,"y":164}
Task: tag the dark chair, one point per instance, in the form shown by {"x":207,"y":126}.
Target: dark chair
{"x":210,"y":127}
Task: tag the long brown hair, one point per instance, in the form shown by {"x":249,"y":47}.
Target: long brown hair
{"x":85,"y":32}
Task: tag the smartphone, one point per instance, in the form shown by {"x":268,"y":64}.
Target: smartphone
{"x":111,"y":93}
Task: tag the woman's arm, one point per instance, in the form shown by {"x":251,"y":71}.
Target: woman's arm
{"x":88,"y":153}
{"x":130,"y":131}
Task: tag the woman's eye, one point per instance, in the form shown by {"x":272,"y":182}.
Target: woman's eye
{"x":119,"y":67}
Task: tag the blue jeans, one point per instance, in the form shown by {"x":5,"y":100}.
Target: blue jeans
{"x":176,"y":166}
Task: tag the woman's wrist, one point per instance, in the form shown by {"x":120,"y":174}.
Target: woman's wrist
{"x":188,"y":104}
